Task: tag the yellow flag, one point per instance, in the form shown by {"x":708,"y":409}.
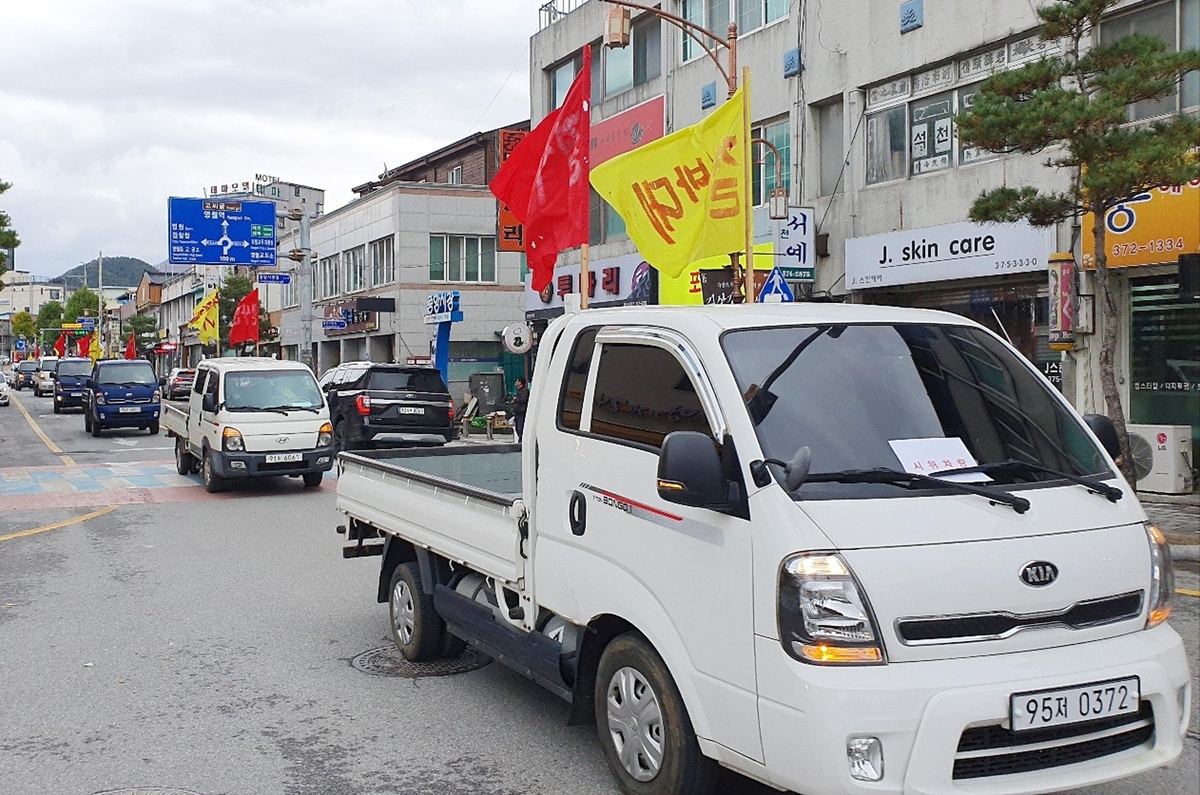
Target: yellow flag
{"x":94,"y":350}
{"x":683,"y":197}
{"x":207,"y":318}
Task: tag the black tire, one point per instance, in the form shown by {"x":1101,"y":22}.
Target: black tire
{"x":57,"y":408}
{"x":636,"y":676}
{"x":97,"y":427}
{"x":87,"y":421}
{"x":340,"y":440}
{"x":313,"y":479}
{"x":213,"y":482}
{"x":417,"y":629}
{"x":452,"y":645}
{"x":154,"y":428}
{"x":185,"y":462}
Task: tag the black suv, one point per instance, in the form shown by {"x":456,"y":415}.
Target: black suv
{"x":371,"y":400}
{"x":25,"y":375}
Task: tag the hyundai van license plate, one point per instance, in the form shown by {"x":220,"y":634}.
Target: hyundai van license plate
{"x":1043,"y":708}
{"x":128,"y":410}
{"x":283,"y":458}
{"x":411,"y":410}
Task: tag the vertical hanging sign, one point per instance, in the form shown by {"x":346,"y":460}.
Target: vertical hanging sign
{"x":510,"y":233}
{"x":1062,"y":301}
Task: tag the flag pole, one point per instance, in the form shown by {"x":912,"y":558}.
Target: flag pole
{"x":748,"y":263}
{"x":584,"y":274}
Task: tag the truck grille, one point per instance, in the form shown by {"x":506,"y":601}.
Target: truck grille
{"x":998,"y":625}
{"x":985,"y":751}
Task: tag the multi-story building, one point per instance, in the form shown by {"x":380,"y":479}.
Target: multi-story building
{"x":859,"y":99}
{"x":20,"y":293}
{"x":424,"y":227}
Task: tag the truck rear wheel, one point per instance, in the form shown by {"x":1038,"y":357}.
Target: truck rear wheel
{"x":185,"y":462}
{"x":417,"y":629}
{"x":643,"y":724}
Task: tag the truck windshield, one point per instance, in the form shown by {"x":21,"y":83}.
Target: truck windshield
{"x":74,"y":368}
{"x":262,"y":390}
{"x":916,"y":398}
{"x":27,"y":367}
{"x":127,"y":373}
{"x":414,"y":380}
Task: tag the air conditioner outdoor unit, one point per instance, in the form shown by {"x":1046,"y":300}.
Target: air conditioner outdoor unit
{"x":1162,"y":457}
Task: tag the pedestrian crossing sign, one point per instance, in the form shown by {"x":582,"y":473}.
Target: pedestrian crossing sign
{"x":776,"y":290}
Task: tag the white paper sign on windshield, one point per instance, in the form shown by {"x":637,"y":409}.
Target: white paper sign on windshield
{"x":934,"y":456}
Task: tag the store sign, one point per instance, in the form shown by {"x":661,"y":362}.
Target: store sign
{"x":510,"y":233}
{"x":939,"y":253}
{"x":794,"y":240}
{"x":689,"y":287}
{"x":1062,"y":302}
{"x":627,"y":130}
{"x":1152,"y":228}
{"x":443,"y":307}
{"x":346,"y":312}
{"x":615,"y":281}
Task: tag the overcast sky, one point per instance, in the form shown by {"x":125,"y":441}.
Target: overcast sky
{"x":108,"y":107}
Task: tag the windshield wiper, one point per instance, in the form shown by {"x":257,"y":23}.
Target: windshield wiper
{"x":275,"y":409}
{"x":293,"y":408}
{"x":1092,"y":484}
{"x":896,"y":477}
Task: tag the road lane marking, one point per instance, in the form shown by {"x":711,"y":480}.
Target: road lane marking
{"x":1188,"y":592}
{"x":57,"y":525}
{"x":66,"y":459}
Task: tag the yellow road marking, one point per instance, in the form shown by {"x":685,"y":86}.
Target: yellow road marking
{"x":1187,"y":592}
{"x":56,"y":525}
{"x":66,"y":459}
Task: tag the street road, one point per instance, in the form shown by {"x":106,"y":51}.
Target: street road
{"x":157,"y":638}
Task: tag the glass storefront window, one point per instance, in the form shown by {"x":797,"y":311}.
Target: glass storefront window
{"x":886,"y":145}
{"x":1164,"y":354}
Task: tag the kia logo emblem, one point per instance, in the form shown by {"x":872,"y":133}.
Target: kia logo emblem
{"x":281,"y":439}
{"x":1039,"y":573}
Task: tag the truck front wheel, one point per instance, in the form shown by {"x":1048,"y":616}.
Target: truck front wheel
{"x":644,"y":727}
{"x":416,"y":627}
{"x":213,"y":482}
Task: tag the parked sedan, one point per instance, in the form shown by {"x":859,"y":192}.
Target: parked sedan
{"x":178,"y":383}
{"x":3,"y":390}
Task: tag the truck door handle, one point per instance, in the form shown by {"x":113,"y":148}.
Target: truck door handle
{"x":577,"y":513}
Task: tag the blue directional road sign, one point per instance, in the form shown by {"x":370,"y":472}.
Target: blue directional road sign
{"x":21,"y":344}
{"x":776,"y":290}
{"x":274,"y":278}
{"x":221,"y":232}
{"x":333,"y":324}
{"x":86,"y":322}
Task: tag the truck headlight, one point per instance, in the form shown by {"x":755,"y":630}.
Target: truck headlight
{"x":231,"y":439}
{"x":325,"y":435}
{"x":1162,"y":577}
{"x":156,"y":397}
{"x":100,"y":398}
{"x":823,"y":614}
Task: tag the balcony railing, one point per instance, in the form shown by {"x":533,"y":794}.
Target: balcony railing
{"x":554,"y":10}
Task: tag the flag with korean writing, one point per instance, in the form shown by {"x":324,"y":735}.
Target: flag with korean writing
{"x":683,"y":197}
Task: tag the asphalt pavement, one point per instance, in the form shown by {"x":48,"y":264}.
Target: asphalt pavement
{"x":157,"y":638}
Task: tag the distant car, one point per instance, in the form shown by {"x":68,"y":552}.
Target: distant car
{"x":25,"y":375}
{"x":178,"y":383}
{"x":3,"y":390}
{"x":70,"y":379}
{"x":44,"y":385}
{"x":408,"y":403}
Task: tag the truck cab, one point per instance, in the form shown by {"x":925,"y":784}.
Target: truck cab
{"x":70,"y":379}
{"x":44,"y":383}
{"x":121,"y":393}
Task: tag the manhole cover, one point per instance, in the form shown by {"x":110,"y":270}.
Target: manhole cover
{"x":387,"y":661}
{"x":148,"y":791}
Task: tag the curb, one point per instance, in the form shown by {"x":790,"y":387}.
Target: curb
{"x":1186,"y":552}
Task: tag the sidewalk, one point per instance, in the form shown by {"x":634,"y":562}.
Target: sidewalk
{"x":1180,"y":522}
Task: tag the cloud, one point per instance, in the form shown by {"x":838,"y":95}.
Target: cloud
{"x":112,"y":107}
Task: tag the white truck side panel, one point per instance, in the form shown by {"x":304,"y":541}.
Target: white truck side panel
{"x":462,"y":528}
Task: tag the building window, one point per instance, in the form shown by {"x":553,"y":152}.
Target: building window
{"x":830,"y":144}
{"x":604,"y":223}
{"x":1176,"y":22}
{"x":753,"y":14}
{"x":328,"y":280}
{"x":638,"y":63}
{"x":560,"y":81}
{"x":459,"y":258}
{"x":767,"y":175}
{"x":289,"y":291}
{"x":355,"y":263}
{"x":930,"y":133}
{"x":713,"y":15}
{"x":886,"y":147}
{"x":383,"y":261}
{"x":454,"y":176}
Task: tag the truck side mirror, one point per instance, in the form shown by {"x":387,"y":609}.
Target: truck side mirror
{"x":690,"y":472}
{"x":162,"y":380}
{"x":1106,"y":432}
{"x":210,"y":402}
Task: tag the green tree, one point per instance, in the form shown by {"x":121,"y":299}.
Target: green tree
{"x":82,"y":303}
{"x":8,"y":236}
{"x":22,"y":325}
{"x":1076,"y":107}
{"x":233,"y":290}
{"x":49,"y":319}
{"x":144,"y":327}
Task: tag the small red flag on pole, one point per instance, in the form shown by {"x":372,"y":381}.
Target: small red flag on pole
{"x":545,"y":179}
{"x":60,"y":345}
{"x":131,"y":348}
{"x":244,"y":327}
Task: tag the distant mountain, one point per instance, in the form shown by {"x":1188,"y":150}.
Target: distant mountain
{"x":118,"y":272}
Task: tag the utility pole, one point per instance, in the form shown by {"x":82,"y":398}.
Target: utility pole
{"x":303,"y":255}
{"x":100,"y":289}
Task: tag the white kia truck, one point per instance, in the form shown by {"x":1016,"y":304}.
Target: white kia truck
{"x":251,"y":417}
{"x":838,"y":549}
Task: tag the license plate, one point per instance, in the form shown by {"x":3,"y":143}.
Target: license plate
{"x":76,"y":394}
{"x":128,"y":410}
{"x":1043,"y":708}
{"x":283,"y":458}
{"x":411,"y":410}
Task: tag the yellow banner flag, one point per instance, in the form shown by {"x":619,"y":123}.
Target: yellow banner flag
{"x":207,"y":318}
{"x":95,"y":351}
{"x":683,"y":197}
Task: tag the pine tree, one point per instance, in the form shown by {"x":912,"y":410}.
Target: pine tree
{"x":8,"y":236}
{"x":1075,"y":106}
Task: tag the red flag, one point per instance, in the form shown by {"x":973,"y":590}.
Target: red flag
{"x":60,"y":345}
{"x":244,"y":327}
{"x":545,"y":179}
{"x":131,"y":348}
